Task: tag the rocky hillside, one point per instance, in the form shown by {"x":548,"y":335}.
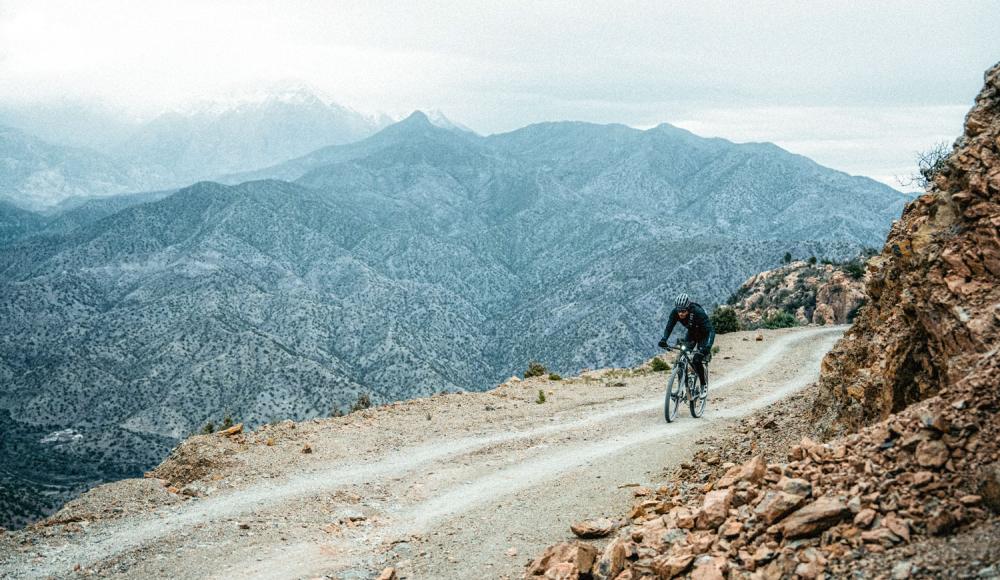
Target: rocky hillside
{"x":807,"y":292}
{"x":932,"y":320}
{"x":915,"y":490}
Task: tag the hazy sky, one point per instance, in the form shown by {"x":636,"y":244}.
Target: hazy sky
{"x":858,"y":86}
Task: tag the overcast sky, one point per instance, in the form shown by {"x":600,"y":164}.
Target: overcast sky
{"x":858,"y":86}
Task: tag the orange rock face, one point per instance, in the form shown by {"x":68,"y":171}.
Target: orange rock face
{"x":933,"y":291}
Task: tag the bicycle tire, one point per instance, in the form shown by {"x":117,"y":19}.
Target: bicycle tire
{"x":672,"y":398}
{"x":696,"y":400}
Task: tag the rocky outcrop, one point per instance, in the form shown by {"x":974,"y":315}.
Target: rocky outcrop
{"x":933,"y":291}
{"x":812,"y":293}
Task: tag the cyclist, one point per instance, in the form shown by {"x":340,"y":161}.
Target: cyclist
{"x":699,"y":332}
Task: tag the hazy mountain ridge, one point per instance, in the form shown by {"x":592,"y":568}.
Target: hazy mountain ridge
{"x":87,"y":152}
{"x":34,"y":173}
{"x":420,"y":259}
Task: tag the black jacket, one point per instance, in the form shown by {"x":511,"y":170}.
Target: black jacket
{"x":697,"y":323}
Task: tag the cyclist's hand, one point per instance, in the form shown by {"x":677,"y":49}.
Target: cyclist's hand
{"x":663,"y":343}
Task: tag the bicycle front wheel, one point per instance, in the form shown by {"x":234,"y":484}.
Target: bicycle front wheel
{"x":697,"y":397}
{"x":672,"y":399}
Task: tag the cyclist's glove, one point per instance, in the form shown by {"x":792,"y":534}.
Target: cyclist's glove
{"x":663,"y":343}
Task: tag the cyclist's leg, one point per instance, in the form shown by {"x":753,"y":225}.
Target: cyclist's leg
{"x":700,"y":342}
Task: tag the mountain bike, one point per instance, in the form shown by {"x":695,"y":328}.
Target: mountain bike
{"x":683,"y":384}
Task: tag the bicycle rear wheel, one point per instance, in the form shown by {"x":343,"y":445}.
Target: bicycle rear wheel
{"x":672,"y":399}
{"x":697,"y":398}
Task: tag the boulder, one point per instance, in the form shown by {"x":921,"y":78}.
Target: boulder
{"x":814,"y":518}
{"x":795,"y":486}
{"x":752,"y":471}
{"x":671,"y":566}
{"x":566,"y":557}
{"x":612,"y":560}
{"x":593,"y":528}
{"x":234,"y":430}
{"x":932,"y":454}
{"x":715,"y":508}
{"x":776,"y":504}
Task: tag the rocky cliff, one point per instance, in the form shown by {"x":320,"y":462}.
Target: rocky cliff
{"x":933,"y":315}
{"x":828,"y":293}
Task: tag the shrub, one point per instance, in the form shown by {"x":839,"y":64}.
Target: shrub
{"x":208,"y":429}
{"x":541,"y":397}
{"x":363,"y":402}
{"x":227,"y":422}
{"x":715,"y":350}
{"x":779,"y":320}
{"x":535,"y":369}
{"x":659,"y":365}
{"x":554,"y":377}
{"x":788,"y":257}
{"x":819,"y":319}
{"x":855,"y":269}
{"x":812,"y":260}
{"x":724,"y":320}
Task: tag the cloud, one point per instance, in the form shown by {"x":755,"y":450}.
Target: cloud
{"x":497,"y":66}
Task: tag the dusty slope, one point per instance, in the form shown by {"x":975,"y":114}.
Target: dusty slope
{"x":439,"y":487}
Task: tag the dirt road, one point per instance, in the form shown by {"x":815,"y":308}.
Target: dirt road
{"x":453,"y":486}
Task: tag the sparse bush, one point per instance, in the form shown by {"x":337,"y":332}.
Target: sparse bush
{"x":819,"y":319}
{"x":208,"y":429}
{"x":554,"y":377}
{"x":855,"y":269}
{"x":779,"y":320}
{"x":659,"y":365}
{"x":227,"y":422}
{"x":929,"y":164}
{"x":363,"y":402}
{"x":535,"y":369}
{"x":724,"y":320}
{"x":541,"y":397}
{"x":715,"y":350}
{"x":337,"y":411}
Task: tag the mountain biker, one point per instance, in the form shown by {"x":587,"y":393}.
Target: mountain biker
{"x":699,"y":331}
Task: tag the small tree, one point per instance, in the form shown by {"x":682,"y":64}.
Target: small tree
{"x":788,"y":257}
{"x":363,"y":402}
{"x":724,"y":320}
{"x":812,"y":260}
{"x":929,"y":163}
{"x":535,"y":369}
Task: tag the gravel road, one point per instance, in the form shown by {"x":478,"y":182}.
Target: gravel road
{"x":453,"y":486}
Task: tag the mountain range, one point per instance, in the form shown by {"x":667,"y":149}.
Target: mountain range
{"x":83,"y":154}
{"x":420,"y":259}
